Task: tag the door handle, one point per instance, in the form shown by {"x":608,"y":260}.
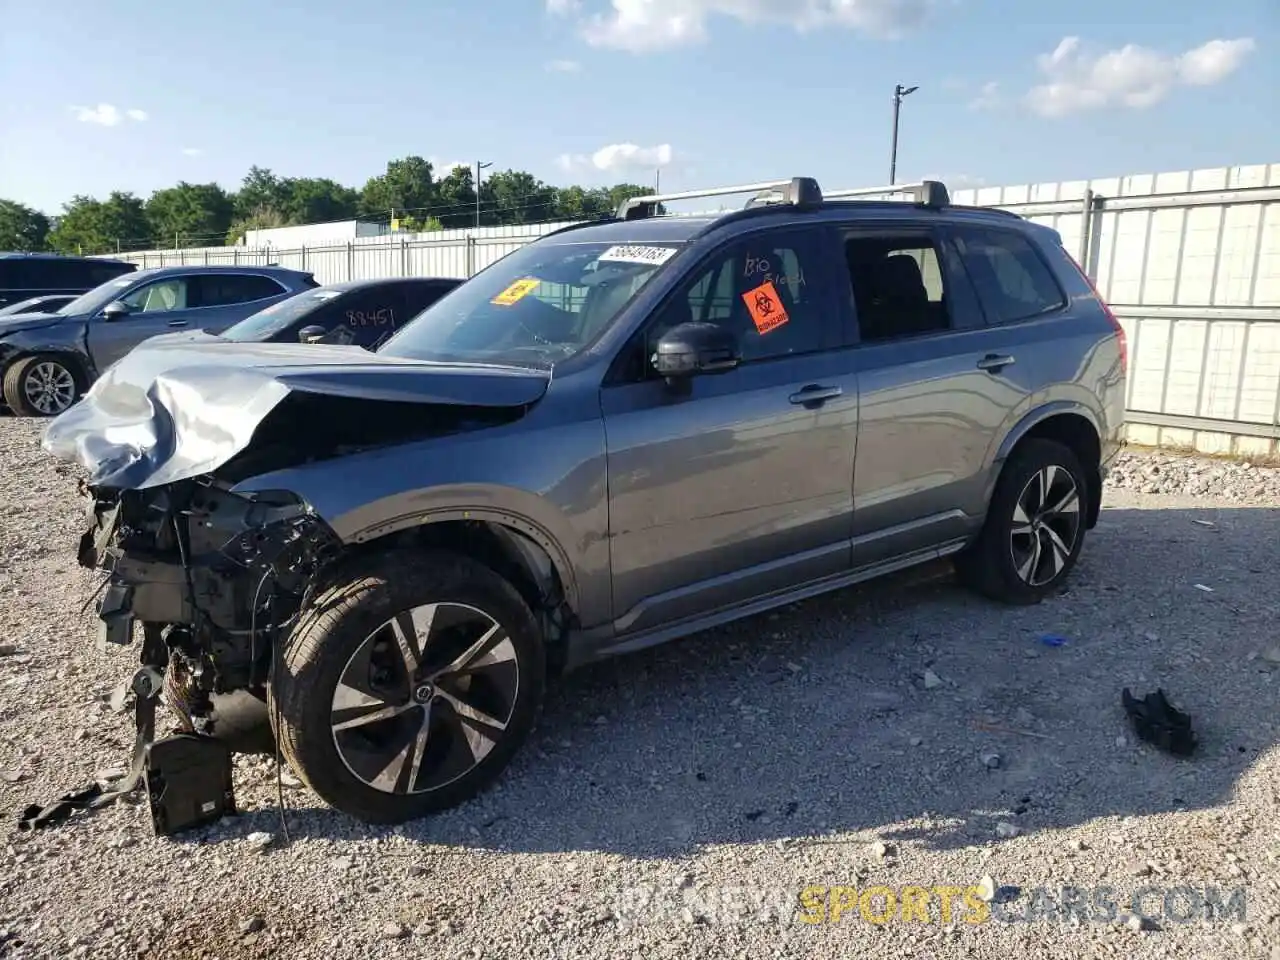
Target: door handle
{"x":994,"y":362}
{"x":814,"y":394}
{"x":177,"y":323}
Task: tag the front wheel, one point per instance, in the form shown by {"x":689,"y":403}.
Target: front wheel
{"x":408,"y":688}
{"x":1034,"y":529}
{"x":40,"y":386}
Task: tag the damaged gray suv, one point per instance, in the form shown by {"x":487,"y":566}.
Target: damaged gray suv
{"x":624,"y":432}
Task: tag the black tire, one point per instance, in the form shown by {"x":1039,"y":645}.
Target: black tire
{"x":996,"y":564}
{"x":23,"y":402}
{"x":347,"y":632}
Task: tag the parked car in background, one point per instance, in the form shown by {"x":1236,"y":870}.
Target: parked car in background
{"x":45,"y":304}
{"x":26,"y":275}
{"x":363,"y":312}
{"x":48,"y":360}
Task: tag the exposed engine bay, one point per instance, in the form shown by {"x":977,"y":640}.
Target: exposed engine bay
{"x":213,"y":576}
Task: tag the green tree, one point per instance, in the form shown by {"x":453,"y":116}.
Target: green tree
{"x":102,"y":226}
{"x":514,"y":196}
{"x":408,"y":186}
{"x":21,"y":227}
{"x":190,"y":214}
{"x":317,"y":200}
{"x":260,"y":190}
{"x":456,"y":199}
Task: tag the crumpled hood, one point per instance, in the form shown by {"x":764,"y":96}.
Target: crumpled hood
{"x":178,"y":406}
{"x":29,"y":321}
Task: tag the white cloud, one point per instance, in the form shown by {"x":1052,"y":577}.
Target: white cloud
{"x":641,"y":26}
{"x":562,"y":7}
{"x":192,"y":151}
{"x":957,"y":181}
{"x":618,"y":158}
{"x":107,"y":115}
{"x":1132,"y":76}
{"x":564,"y":66}
{"x":988,"y":97}
{"x":442,"y":168}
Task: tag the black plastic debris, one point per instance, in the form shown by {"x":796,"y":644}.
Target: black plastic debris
{"x":1156,"y":721}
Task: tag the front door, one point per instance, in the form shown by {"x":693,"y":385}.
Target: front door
{"x":933,"y":391}
{"x":739,"y":484}
{"x":162,"y":306}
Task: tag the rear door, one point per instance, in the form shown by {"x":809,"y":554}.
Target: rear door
{"x":935,"y":385}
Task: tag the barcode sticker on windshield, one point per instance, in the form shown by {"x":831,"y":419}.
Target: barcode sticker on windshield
{"x":639,"y":254}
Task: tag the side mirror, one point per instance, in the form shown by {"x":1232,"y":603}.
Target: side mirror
{"x":115,"y":310}
{"x":313,"y":333}
{"x":691,"y":349}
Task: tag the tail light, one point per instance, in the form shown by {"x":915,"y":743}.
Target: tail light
{"x":1111,"y":317}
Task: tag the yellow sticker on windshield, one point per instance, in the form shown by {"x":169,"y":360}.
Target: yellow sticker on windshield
{"x":521,"y":288}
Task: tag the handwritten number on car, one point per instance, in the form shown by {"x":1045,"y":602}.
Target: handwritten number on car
{"x":371,"y":318}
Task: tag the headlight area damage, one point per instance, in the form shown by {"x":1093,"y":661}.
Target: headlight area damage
{"x":213,"y":580}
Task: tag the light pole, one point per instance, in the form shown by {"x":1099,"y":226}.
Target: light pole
{"x":899,"y":92}
{"x":479,"y":166}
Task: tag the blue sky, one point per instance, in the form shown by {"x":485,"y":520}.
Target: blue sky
{"x":130,"y":95}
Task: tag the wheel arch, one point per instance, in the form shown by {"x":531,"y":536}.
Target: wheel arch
{"x":1073,"y":425}
{"x":516,"y":549}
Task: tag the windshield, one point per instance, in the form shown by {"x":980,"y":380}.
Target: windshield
{"x":267,"y":322}
{"x":99,"y":296}
{"x":535,"y":307}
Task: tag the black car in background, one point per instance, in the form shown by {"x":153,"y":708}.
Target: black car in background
{"x":26,"y":275}
{"x":362,"y":312}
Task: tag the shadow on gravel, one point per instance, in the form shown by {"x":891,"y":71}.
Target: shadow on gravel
{"x":816,"y":719}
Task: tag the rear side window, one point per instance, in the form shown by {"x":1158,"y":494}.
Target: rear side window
{"x":218,"y":290}
{"x":898,"y":286}
{"x":1012,"y":280}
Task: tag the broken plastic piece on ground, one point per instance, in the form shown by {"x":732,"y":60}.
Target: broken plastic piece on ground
{"x":1203,"y":523}
{"x":1156,"y":721}
{"x":1201,"y":586}
{"x":1052,"y":640}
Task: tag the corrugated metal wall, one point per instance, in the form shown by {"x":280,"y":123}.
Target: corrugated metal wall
{"x":1190,"y":262}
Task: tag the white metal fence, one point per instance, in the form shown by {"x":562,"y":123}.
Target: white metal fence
{"x":1190,"y":262}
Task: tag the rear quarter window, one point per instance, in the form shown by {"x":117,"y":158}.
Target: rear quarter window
{"x":1012,"y":279}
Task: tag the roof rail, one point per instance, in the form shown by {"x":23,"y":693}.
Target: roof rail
{"x":797,"y":192}
{"x":930,"y":193}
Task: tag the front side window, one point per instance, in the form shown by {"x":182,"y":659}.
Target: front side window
{"x":538,"y":306}
{"x":159,"y":297}
{"x":1012,"y":280}
{"x":767,"y":289}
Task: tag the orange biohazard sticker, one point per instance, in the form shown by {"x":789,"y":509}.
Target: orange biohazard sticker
{"x":765,"y":307}
{"x":517,"y":290}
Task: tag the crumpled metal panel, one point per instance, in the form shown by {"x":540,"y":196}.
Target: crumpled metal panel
{"x":179,"y":405}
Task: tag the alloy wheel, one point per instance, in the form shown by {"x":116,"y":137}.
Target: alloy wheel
{"x":1046,"y":525}
{"x":49,"y":387}
{"x":425,"y":698}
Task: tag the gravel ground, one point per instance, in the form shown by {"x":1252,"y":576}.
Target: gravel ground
{"x":675,"y":802}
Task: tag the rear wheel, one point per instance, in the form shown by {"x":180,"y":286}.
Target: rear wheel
{"x":1035,"y":526}
{"x":40,"y":386}
{"x":408,"y":688}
